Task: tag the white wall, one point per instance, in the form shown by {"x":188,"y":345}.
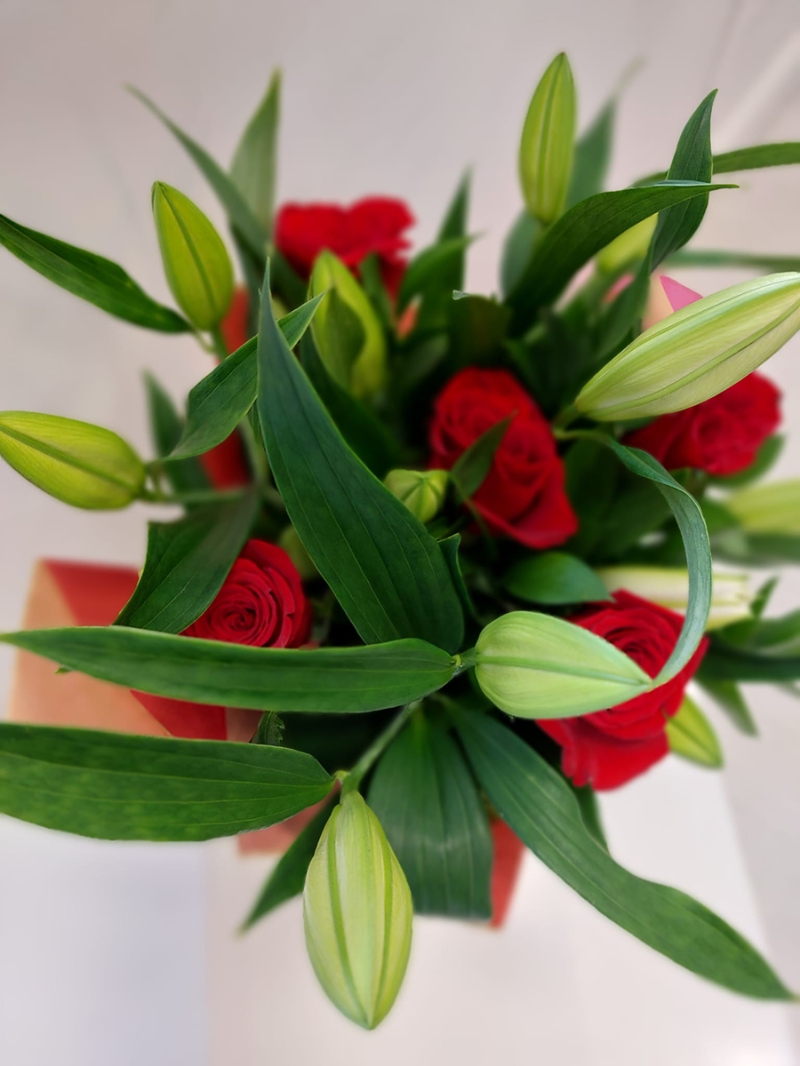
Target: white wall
{"x":103,"y":956}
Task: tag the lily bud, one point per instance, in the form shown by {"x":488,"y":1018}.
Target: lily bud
{"x":731,"y":594}
{"x":357,"y":911}
{"x":771,"y":508}
{"x":548,"y":142}
{"x":536,"y":666}
{"x":196,"y":262}
{"x":628,"y":247}
{"x":422,"y":491}
{"x":346,"y":329}
{"x":696,"y":352}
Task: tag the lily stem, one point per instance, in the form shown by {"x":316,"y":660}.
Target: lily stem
{"x":378,"y":746}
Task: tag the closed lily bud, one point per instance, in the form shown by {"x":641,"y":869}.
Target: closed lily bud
{"x":731,"y":594}
{"x":357,"y":912}
{"x":548,"y":142}
{"x":770,"y":508}
{"x":696,"y":352}
{"x":196,"y":262}
{"x":628,"y":247}
{"x":535,"y":666}
{"x":422,"y":491}
{"x":346,"y":330}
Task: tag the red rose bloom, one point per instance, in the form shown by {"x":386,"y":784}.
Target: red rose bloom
{"x":721,"y":435}
{"x":374,"y":224}
{"x":610,"y":748}
{"x":261,"y":603}
{"x":523,"y":495}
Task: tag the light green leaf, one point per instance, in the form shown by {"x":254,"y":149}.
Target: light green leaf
{"x":555,"y":578}
{"x":255,"y":160}
{"x":119,"y":787}
{"x":336,"y":680}
{"x":707,"y":257}
{"x":689,"y":734}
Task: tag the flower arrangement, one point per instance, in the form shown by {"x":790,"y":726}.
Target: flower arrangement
{"x":444,"y":565}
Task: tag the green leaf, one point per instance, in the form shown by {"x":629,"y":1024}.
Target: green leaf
{"x":386,"y":570}
{"x":450,"y":547}
{"x":288,"y":877}
{"x":430,"y":275}
{"x":555,"y":578}
{"x":539,"y":806}
{"x":78,"y":463}
{"x":427,"y":802}
{"x":335,"y":680}
{"x":166,"y":427}
{"x":758,"y":549}
{"x":592,"y":156}
{"x":722,"y":662}
{"x":690,"y":735}
{"x":217,"y":404}
{"x":187,"y":561}
{"x":118,"y":787}
{"x":453,"y":227}
{"x":728,"y":696}
{"x":239,"y":214}
{"x":472,"y":467}
{"x":691,"y":162}
{"x":89,"y":276}
{"x":774,"y":636}
{"x":477,"y":327}
{"x":755,"y":158}
{"x":707,"y":257}
{"x":689,"y":518}
{"x":255,"y":160}
{"x":518,"y":250}
{"x":579,"y":235}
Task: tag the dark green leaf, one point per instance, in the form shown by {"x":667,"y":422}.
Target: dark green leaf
{"x":758,"y":549}
{"x":774,"y":636}
{"x":454,"y":226}
{"x":729,"y":697}
{"x":539,"y":806}
{"x":119,"y":787}
{"x":89,"y":276}
{"x":430,"y":275}
{"x":472,"y":466}
{"x":592,"y":156}
{"x":186,"y":564}
{"x":217,"y":404}
{"x":450,"y":546}
{"x":255,"y":160}
{"x":755,"y":158}
{"x":166,"y":426}
{"x":270,"y":729}
{"x":581,"y":232}
{"x":722,"y":662}
{"x":289,"y":875}
{"x":241,"y":217}
{"x":385,"y":569}
{"x":555,"y":578}
{"x":691,"y":162}
{"x":706,"y":257}
{"x":427,"y":802}
{"x":477,"y":330}
{"x":336,"y":680}
{"x":590,"y":812}
{"x":518,"y":250}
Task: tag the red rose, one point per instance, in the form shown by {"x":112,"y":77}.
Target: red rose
{"x":721,"y":435}
{"x":374,"y":224}
{"x":261,"y":603}
{"x":610,"y":748}
{"x":523,"y":495}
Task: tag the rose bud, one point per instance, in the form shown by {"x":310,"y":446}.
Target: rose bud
{"x":533,"y":665}
{"x":196,"y":262}
{"x":346,"y":329}
{"x":609,"y":749}
{"x":261,"y":602}
{"x":357,"y":913}
{"x":731,"y":594}
{"x":696,"y":352}
{"x":422,"y":491}
{"x":548,"y":142}
{"x":771,"y":508}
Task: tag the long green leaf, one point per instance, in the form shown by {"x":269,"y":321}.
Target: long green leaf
{"x":119,"y":787}
{"x":186,"y":564}
{"x":337,"y":680}
{"x":725,"y":663}
{"x":592,"y":156}
{"x":241,"y":217}
{"x":255,"y":160}
{"x":453,"y":227}
{"x":581,"y":232}
{"x":289,"y":875}
{"x":89,"y":276}
{"x":554,"y":578}
{"x":383,"y":566}
{"x":217,"y":404}
{"x":728,"y":696}
{"x":541,"y":809}
{"x":166,"y":427}
{"x":708,"y":257}
{"x":757,"y":157}
{"x":427,"y":802}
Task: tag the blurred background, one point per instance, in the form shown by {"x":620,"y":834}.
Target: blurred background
{"x":115,"y":955}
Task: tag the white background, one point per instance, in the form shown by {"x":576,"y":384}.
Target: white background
{"x":120,"y":955}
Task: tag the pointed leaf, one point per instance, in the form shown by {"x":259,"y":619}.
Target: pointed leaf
{"x":689,"y":734}
{"x":555,"y":578}
{"x":472,"y":467}
{"x":592,"y":156}
{"x":255,"y":160}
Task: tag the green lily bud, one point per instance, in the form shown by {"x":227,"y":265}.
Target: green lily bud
{"x":357,"y":911}
{"x":78,"y":463}
{"x":422,"y":491}
{"x":731,"y":594}
{"x":346,"y":329}
{"x":689,"y":734}
{"x":628,"y":247}
{"x":771,"y":508}
{"x":290,"y":541}
{"x":536,"y":666}
{"x":196,"y":262}
{"x":548,"y":142}
{"x":696,"y":352}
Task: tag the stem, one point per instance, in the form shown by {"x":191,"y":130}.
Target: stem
{"x":467,"y":660}
{"x":194,"y":496}
{"x":376,"y":749}
{"x":563,"y":418}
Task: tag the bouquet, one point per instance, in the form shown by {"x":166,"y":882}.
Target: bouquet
{"x":443,"y":569}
